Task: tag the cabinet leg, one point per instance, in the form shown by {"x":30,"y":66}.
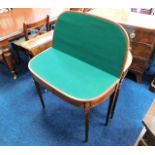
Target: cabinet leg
{"x":87,"y":115}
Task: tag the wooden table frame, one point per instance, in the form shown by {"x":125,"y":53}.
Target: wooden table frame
{"x":112,"y":91}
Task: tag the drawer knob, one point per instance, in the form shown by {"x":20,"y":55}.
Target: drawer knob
{"x":132,"y":35}
{"x":130,"y":48}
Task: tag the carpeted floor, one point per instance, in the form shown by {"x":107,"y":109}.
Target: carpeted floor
{"x":24,"y":122}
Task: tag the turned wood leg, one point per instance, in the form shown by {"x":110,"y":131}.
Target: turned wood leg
{"x":39,"y":93}
{"x":8,"y":57}
{"x":87,"y":115}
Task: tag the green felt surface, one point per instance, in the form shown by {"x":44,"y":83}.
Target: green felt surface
{"x":91,"y":39}
{"x":71,"y":75}
{"x":87,"y":56}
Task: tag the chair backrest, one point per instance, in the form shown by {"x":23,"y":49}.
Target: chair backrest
{"x":97,"y":41}
{"x":80,"y":9}
{"x":36,"y":28}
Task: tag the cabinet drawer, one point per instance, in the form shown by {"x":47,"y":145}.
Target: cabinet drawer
{"x":141,"y":50}
{"x":140,"y":35}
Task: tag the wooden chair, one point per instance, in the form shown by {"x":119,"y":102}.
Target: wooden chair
{"x":31,"y":30}
{"x":38,"y":44}
{"x":80,"y":9}
{"x":85,"y":64}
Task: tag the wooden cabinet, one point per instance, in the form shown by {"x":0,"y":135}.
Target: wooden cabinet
{"x":141,"y":46}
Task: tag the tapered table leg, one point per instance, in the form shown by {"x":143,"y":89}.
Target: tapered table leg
{"x":7,"y":56}
{"x":114,"y":103}
{"x":117,"y":91}
{"x":112,"y":98}
{"x":87,"y":115}
{"x":39,"y":93}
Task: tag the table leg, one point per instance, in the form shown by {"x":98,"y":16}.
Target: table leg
{"x":8,"y":57}
{"x":117,"y":94}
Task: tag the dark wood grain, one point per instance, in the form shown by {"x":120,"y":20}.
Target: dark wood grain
{"x":142,"y":48}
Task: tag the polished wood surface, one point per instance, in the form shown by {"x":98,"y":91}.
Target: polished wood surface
{"x":128,"y":62}
{"x":36,"y":28}
{"x":36,"y":45}
{"x":142,"y":47}
{"x":11,"y":23}
{"x":11,"y":27}
{"x":141,"y":31}
{"x":124,"y":16}
{"x":31,"y":33}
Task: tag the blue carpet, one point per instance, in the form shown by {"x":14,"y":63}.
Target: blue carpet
{"x":24,"y":122}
